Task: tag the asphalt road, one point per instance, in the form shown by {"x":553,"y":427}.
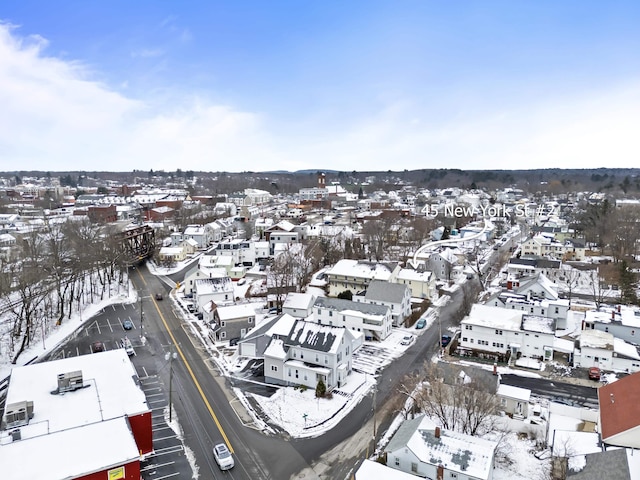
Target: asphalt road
{"x":578,"y":395}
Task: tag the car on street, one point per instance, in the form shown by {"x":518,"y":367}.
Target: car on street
{"x":406,"y":340}
{"x":97,"y":347}
{"x":127,"y":324}
{"x":158,"y":296}
{"x":421,"y":323}
{"x":223,"y":457}
{"x":446,"y":340}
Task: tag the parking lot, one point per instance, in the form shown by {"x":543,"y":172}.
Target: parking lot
{"x":111,"y":329}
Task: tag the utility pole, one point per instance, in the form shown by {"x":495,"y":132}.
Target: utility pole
{"x":141,"y":312}
{"x":170,"y":356}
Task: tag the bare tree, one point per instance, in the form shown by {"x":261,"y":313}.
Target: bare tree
{"x":571,"y":278}
{"x":467,"y":407}
{"x":598,"y":288}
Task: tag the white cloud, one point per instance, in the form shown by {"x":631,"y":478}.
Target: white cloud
{"x":54,"y":116}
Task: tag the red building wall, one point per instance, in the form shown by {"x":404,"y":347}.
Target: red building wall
{"x":142,"y":432}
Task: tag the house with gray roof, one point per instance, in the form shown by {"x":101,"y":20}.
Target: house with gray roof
{"x":393,"y":295}
{"x":309,"y":353}
{"x":422,"y":448}
{"x":372,"y":321}
{"x":255,"y":342}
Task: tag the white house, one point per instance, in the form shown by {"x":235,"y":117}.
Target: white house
{"x":393,"y":295}
{"x":356,"y":275}
{"x":425,"y":450}
{"x":232,"y":321}
{"x":507,"y":333}
{"x":213,"y":289}
{"x":310,"y":353}
{"x":603,"y":350}
{"x":422,"y":283}
{"x":299,"y":305}
{"x":373,"y":321}
{"x":555,"y":309}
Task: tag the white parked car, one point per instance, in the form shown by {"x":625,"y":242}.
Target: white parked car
{"x":223,"y":456}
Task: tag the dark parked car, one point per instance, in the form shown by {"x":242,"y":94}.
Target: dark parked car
{"x":446,"y":340}
{"x":97,"y":347}
{"x":127,"y":324}
{"x":594,"y":373}
{"x":158,"y":296}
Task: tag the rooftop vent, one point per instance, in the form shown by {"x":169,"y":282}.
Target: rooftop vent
{"x":68,"y":382}
{"x":17,"y":414}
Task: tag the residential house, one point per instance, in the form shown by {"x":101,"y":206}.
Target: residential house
{"x":202,"y":234}
{"x":603,"y":350}
{"x":620,"y":412}
{"x":554,"y":309}
{"x":393,"y":295}
{"x":425,"y":450}
{"x":283,"y":232}
{"x":614,"y":464}
{"x":514,"y":400}
{"x":372,"y":321}
{"x":622,"y":322}
{"x":218,"y":289}
{"x":230,"y":322}
{"x":172,"y":254}
{"x":356,"y":275}
{"x":502,"y":334}
{"x":443,"y":263}
{"x":255,"y":342}
{"x":310,"y":353}
{"x":535,"y":287}
{"x":421,"y":282}
{"x":241,"y":251}
{"x":299,"y":305}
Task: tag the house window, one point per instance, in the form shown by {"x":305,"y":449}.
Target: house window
{"x":464,"y":339}
{"x":274,"y":368}
{"x":331,"y":313}
{"x":250,"y":320}
{"x":296,"y":373}
{"x":414,"y":467}
{"x":223,"y":324}
{"x":498,"y":332}
{"x":557,"y":310}
{"x":397,"y":462}
{"x":453,"y":475}
{"x":468,"y":327}
{"x":289,"y":372}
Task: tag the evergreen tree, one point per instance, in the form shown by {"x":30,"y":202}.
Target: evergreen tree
{"x":321,"y":389}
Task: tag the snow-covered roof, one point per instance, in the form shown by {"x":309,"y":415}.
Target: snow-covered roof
{"x":298,"y":301}
{"x":510,"y":391}
{"x":457,"y":452}
{"x":275,"y":349}
{"x":370,"y":469}
{"x":494,"y":317}
{"x":537,"y":323}
{"x":110,"y":391}
{"x":70,"y":453}
{"x":596,"y":339}
{"x":630,"y":317}
{"x":204,"y":286}
{"x":625,"y":349}
{"x":362,"y":269}
{"x":233,"y":312}
{"x":414,"y":275}
{"x":317,"y":337}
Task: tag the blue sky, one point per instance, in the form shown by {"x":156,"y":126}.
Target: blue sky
{"x":288,"y":85}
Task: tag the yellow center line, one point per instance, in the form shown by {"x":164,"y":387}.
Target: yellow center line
{"x":193,"y":377}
